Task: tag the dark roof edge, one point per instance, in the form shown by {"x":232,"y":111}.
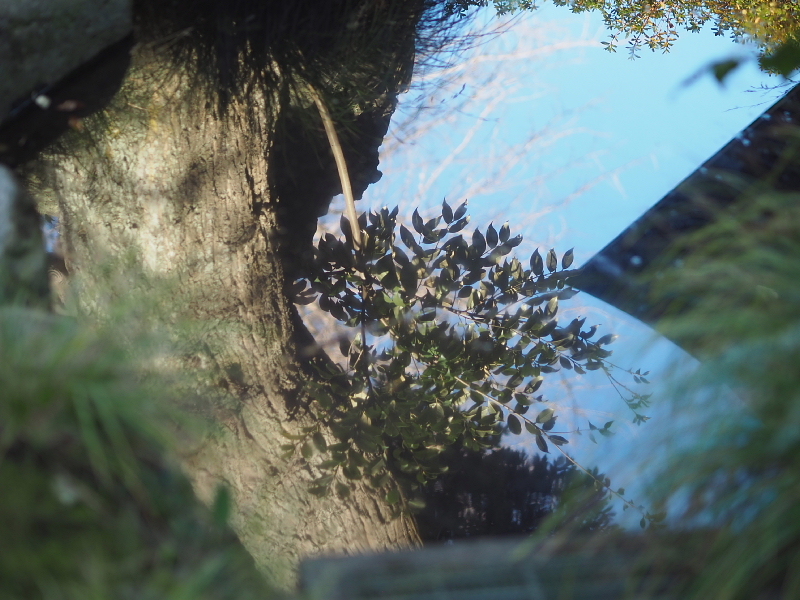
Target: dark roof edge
{"x":621,"y":273}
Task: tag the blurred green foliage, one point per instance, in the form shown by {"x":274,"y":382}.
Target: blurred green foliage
{"x":91,"y":504}
{"x":656,"y":24}
{"x":737,"y":290}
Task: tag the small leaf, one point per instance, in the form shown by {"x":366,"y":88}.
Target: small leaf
{"x":319,"y":441}
{"x":342,"y":489}
{"x":545,"y":415}
{"x":221,"y":509}
{"x":607,"y":339}
{"x":351,"y":471}
{"x":459,"y":225}
{"x":393,"y":497}
{"x":549,"y":424}
{"x":567,"y":293}
{"x":723,"y":68}
{"x":460,"y":211}
{"x":505,"y":233}
{"x":307,"y":450}
{"x":541,"y":443}
{"x":491,"y":236}
{"x":566,"y":260}
{"x":514,"y":425}
{"x":587,"y":334}
{"x":514,"y":381}
{"x":558,"y":440}
{"x":344,"y":224}
{"x":447,"y":212}
{"x":552,"y":260}
{"x":407,"y":237}
{"x":552,"y":306}
{"x":534,"y":384}
{"x":537,"y":266}
{"x":416,"y":221}
{"x":478,"y":243}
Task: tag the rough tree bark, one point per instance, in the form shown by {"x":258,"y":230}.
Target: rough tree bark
{"x":180,"y":191}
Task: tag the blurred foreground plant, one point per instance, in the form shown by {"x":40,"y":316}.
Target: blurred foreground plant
{"x":91,"y":505}
{"x":739,"y":285}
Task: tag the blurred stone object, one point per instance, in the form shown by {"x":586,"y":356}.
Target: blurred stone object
{"x":651,"y":565}
{"x":41,"y":41}
{"x":60,"y":61}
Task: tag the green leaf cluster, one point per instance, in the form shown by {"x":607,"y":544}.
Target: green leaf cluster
{"x":453,"y":339}
{"x":656,"y":24}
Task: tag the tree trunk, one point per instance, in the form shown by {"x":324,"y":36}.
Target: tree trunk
{"x":181,"y":194}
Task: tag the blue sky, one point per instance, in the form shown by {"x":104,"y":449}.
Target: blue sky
{"x":637,"y":127}
{"x":541,"y":127}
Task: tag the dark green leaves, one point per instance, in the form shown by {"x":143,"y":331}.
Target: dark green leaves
{"x":407,"y":237}
{"x":505,"y":232}
{"x":460,"y":211}
{"x":447,"y":212}
{"x":221,"y":509}
{"x":545,"y":415}
{"x":784,"y":60}
{"x":478,"y":244}
{"x":491,"y":236}
{"x":723,"y":68}
{"x":566,"y":260}
{"x":452,"y":338}
{"x":537,"y":266}
{"x":416,"y":221}
{"x":607,"y":339}
{"x":514,"y":424}
{"x":319,"y":442}
{"x":552,"y":260}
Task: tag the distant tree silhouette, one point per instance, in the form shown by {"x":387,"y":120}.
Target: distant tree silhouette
{"x":502,"y":491}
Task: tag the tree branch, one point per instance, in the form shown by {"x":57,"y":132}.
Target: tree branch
{"x":341,"y":166}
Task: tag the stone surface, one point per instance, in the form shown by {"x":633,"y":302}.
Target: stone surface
{"x":41,"y":41}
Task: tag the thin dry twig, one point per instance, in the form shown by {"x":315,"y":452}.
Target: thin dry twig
{"x":341,"y":166}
